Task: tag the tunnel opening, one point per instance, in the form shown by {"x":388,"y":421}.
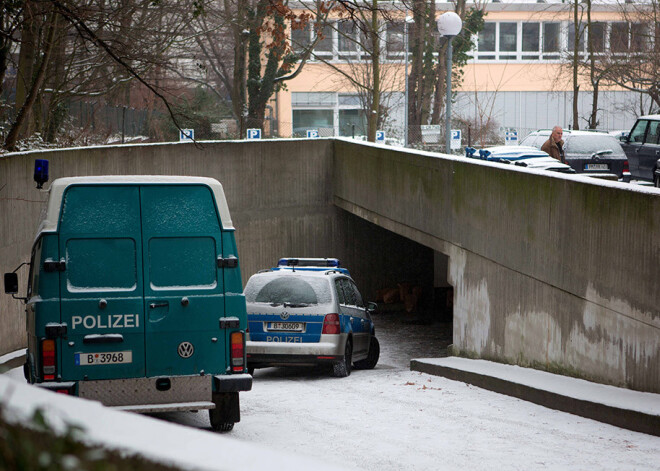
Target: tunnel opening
{"x":407,"y":280}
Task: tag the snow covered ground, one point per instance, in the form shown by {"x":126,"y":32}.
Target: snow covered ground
{"x":389,"y":418}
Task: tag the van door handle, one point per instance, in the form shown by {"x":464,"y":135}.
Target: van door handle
{"x":155,"y":305}
{"x":103,"y":338}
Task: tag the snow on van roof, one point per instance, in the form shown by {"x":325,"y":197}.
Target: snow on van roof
{"x":57,"y":188}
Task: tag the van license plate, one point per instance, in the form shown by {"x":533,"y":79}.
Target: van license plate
{"x":596,"y":167}
{"x":105,"y":358}
{"x":286,"y":326}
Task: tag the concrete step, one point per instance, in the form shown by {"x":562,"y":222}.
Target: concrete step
{"x":625,"y":408}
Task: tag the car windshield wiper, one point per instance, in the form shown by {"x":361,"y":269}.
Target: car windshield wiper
{"x":602,"y":152}
{"x":296,"y":304}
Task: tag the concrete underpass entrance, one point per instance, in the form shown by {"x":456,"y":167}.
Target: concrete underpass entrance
{"x":408,"y":280}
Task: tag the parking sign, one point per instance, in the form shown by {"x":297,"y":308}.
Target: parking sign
{"x":186,"y":135}
{"x":380,"y":136}
{"x":312,"y":133}
{"x":455,"y":142}
{"x":511,"y":137}
{"x":254,"y":133}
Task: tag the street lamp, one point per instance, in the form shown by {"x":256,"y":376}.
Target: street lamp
{"x":405,"y":47}
{"x":449,"y":25}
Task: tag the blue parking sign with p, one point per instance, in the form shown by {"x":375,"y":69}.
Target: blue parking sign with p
{"x":312,"y":133}
{"x":186,"y":134}
{"x":254,"y":133}
{"x":380,"y":136}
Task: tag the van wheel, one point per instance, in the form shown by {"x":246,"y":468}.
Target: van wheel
{"x":216,"y":421}
{"x":251,"y":370}
{"x":226,"y":427}
{"x":226,"y":412}
{"x":369,"y":363}
{"x":342,"y":368}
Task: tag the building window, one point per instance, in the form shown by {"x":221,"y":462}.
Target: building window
{"x":639,"y":33}
{"x":508,"y":40}
{"x":597,"y":32}
{"x":330,"y":113}
{"x":619,"y":37}
{"x":352,"y":123}
{"x":531,"y":33}
{"x":324,"y":46}
{"x":301,"y":39}
{"x":320,"y":120}
{"x":346,"y":38}
{"x":395,"y":46}
{"x":571,"y":38}
{"x":486,"y":42}
{"x":551,"y":40}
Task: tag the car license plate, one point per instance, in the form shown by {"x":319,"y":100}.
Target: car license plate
{"x":286,"y":326}
{"x":105,"y":358}
{"x":596,"y":167}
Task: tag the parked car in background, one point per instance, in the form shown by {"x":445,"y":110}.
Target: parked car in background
{"x":592,"y":153}
{"x":308,"y":317}
{"x":656,"y":174}
{"x":642,"y":147}
{"x":521,"y":156}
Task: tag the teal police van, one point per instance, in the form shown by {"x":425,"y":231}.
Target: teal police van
{"x":135,"y":297}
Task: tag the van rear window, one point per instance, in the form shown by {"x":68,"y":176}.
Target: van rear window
{"x":176,"y":262}
{"x":101,"y":265}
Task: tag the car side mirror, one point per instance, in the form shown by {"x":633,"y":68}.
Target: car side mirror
{"x":624,"y":137}
{"x":372,"y":307}
{"x":11,"y":283}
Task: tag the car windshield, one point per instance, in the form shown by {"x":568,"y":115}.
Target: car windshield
{"x":593,"y":144}
{"x":291,"y":290}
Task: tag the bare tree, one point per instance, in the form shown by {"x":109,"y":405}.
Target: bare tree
{"x":427,"y":78}
{"x":100,"y":49}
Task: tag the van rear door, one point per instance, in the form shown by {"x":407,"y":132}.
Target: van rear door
{"x":183,"y":284}
{"x":101,"y":287}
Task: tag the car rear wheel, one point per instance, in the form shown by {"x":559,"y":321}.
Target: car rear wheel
{"x":656,"y":180}
{"x":369,"y":363}
{"x":342,"y":368}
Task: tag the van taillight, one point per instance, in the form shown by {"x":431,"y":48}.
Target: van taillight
{"x":626,"y":167}
{"x":237,"y":352}
{"x":48,"y":359}
{"x":331,"y":324}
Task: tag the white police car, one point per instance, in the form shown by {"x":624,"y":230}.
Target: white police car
{"x":522,"y":156}
{"x":308,"y":312}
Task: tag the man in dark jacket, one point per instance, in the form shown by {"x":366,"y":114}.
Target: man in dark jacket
{"x":555,"y":145}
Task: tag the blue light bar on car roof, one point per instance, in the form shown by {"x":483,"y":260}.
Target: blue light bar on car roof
{"x":309,"y":262}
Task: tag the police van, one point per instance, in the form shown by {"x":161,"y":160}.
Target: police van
{"x":134,"y":296}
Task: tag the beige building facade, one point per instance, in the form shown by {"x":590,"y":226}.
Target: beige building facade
{"x":518,"y":76}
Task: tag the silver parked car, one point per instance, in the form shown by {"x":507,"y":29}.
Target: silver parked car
{"x":309,"y":317}
{"x":592,"y":153}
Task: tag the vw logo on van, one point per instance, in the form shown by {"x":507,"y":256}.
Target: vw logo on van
{"x":185,"y":349}
{"x":284,"y":315}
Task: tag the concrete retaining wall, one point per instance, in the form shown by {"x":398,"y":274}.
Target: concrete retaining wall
{"x":554,"y":272}
{"x":279,"y":195}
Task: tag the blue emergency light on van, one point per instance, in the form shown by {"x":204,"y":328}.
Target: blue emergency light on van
{"x":310,"y":264}
{"x":40,"y":172}
{"x":139,"y":290}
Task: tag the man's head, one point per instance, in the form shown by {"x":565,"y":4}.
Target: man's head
{"x":556,"y":133}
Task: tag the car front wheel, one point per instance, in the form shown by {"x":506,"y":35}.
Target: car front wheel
{"x":342,"y":368}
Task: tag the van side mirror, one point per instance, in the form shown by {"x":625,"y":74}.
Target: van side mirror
{"x":11,"y":283}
